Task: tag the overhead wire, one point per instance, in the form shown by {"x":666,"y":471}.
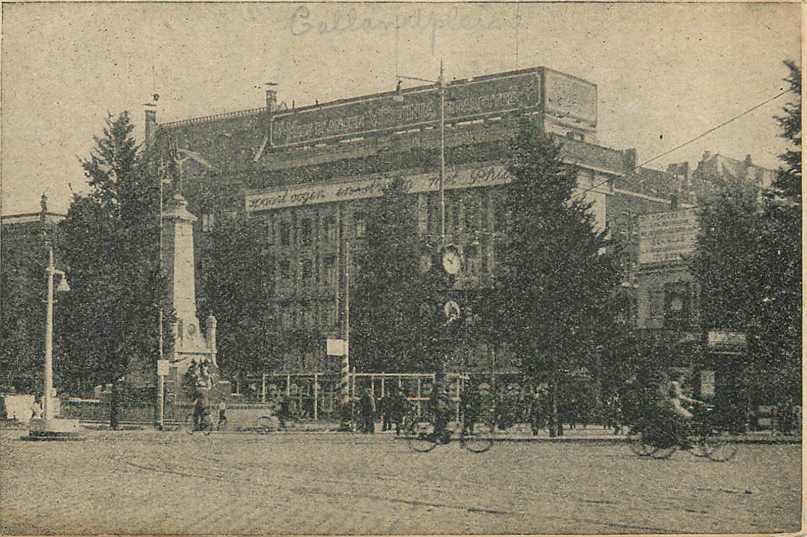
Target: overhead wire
{"x":696,"y":138}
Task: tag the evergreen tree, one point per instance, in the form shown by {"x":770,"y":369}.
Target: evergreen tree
{"x":239,"y":277}
{"x":111,"y":253}
{"x":22,"y":318}
{"x":394,"y":302}
{"x":781,"y":255}
{"x":554,"y":283}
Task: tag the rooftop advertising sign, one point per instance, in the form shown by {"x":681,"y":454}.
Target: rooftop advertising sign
{"x":666,"y":237}
{"x":466,"y":99}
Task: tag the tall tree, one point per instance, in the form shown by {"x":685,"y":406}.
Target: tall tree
{"x":111,"y":253}
{"x":555,"y":282}
{"x":239,"y":276}
{"x":391,"y":329}
{"x":781,"y":254}
{"x":22,"y":317}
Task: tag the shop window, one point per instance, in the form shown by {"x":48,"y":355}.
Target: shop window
{"x":676,"y":306}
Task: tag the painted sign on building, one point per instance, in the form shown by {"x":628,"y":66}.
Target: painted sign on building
{"x":667,"y":237}
{"x":567,"y":96}
{"x":373,"y":187}
{"x":467,"y":99}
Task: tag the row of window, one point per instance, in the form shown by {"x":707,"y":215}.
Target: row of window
{"x":320,"y":315}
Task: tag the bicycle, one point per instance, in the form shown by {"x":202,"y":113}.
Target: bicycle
{"x":422,"y":437}
{"x":659,"y":441}
{"x":204,"y":425}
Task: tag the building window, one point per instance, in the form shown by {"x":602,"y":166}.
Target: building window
{"x":284,"y":269}
{"x":329,"y":271}
{"x":305,"y":231}
{"x":306,"y":270}
{"x":285,"y":233}
{"x":270,"y":232}
{"x":208,"y":221}
{"x":329,"y":228}
{"x":456,"y":210}
{"x":359,"y":225}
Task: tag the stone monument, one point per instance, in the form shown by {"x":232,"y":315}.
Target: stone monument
{"x":192,"y":349}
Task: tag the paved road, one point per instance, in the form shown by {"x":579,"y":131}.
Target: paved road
{"x":149,"y":482}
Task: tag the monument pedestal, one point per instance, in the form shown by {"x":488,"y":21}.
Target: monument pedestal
{"x":54,"y":429}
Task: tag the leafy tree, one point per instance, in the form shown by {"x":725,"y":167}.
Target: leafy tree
{"x":726,"y":258}
{"x":111,"y":253}
{"x":748,"y":264}
{"x":781,"y":255}
{"x":555,"y":282}
{"x":238,"y":278}
{"x":22,"y":317}
{"x":394,"y":309}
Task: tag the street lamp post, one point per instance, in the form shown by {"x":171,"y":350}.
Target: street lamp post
{"x":48,"y":426}
{"x":441,"y":84}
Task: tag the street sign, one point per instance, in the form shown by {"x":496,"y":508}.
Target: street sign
{"x":335,"y":347}
{"x":162,"y":368}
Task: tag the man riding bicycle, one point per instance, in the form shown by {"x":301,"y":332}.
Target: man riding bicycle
{"x":681,"y":417}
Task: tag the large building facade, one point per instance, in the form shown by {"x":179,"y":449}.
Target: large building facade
{"x":311,"y":173}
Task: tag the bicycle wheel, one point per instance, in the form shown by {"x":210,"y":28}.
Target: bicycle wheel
{"x":663,"y":453}
{"x":266,"y":424}
{"x":481,"y":439}
{"x":639,"y":445}
{"x":718,"y":448}
{"x":420,"y":436}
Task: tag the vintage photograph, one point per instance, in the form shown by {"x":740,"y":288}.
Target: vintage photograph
{"x":401,"y":268}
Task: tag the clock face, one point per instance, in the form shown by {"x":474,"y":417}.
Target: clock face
{"x":451,"y":310}
{"x":451,"y":261}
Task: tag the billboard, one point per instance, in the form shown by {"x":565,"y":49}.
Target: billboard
{"x":667,"y":237}
{"x":568,"y":96}
{"x":465,"y":100}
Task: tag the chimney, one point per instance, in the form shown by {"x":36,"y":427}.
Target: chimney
{"x":271,"y":97}
{"x":151,"y":120}
{"x":629,"y":159}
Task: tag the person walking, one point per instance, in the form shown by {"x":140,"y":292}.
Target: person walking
{"x":368,"y":410}
{"x":383,"y":411}
{"x":222,"y":414}
{"x":398,"y":407}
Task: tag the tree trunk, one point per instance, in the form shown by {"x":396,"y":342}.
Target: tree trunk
{"x":114,"y":409}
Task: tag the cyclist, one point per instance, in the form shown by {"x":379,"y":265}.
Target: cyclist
{"x":681,"y":417}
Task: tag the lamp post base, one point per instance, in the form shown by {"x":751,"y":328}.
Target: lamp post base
{"x":54,"y":429}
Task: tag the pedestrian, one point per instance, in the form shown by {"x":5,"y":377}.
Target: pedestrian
{"x":222,"y":413}
{"x":536,"y":412}
{"x":200,"y":409}
{"x":368,"y":410}
{"x":470,"y":408}
{"x":36,"y":409}
{"x":399,"y":405}
{"x":383,"y":411}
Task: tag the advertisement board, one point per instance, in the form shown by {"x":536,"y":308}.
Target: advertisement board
{"x":666,"y":237}
{"x":465,"y":99}
{"x":568,"y":96}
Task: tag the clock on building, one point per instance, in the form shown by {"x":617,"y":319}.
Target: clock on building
{"x":452,"y":262}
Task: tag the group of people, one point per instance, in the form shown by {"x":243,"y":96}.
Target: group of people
{"x":391,"y":408}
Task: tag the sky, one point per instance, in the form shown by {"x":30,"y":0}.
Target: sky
{"x":665,"y":73}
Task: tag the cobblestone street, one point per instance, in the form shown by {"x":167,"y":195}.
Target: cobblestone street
{"x":147,"y":482}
